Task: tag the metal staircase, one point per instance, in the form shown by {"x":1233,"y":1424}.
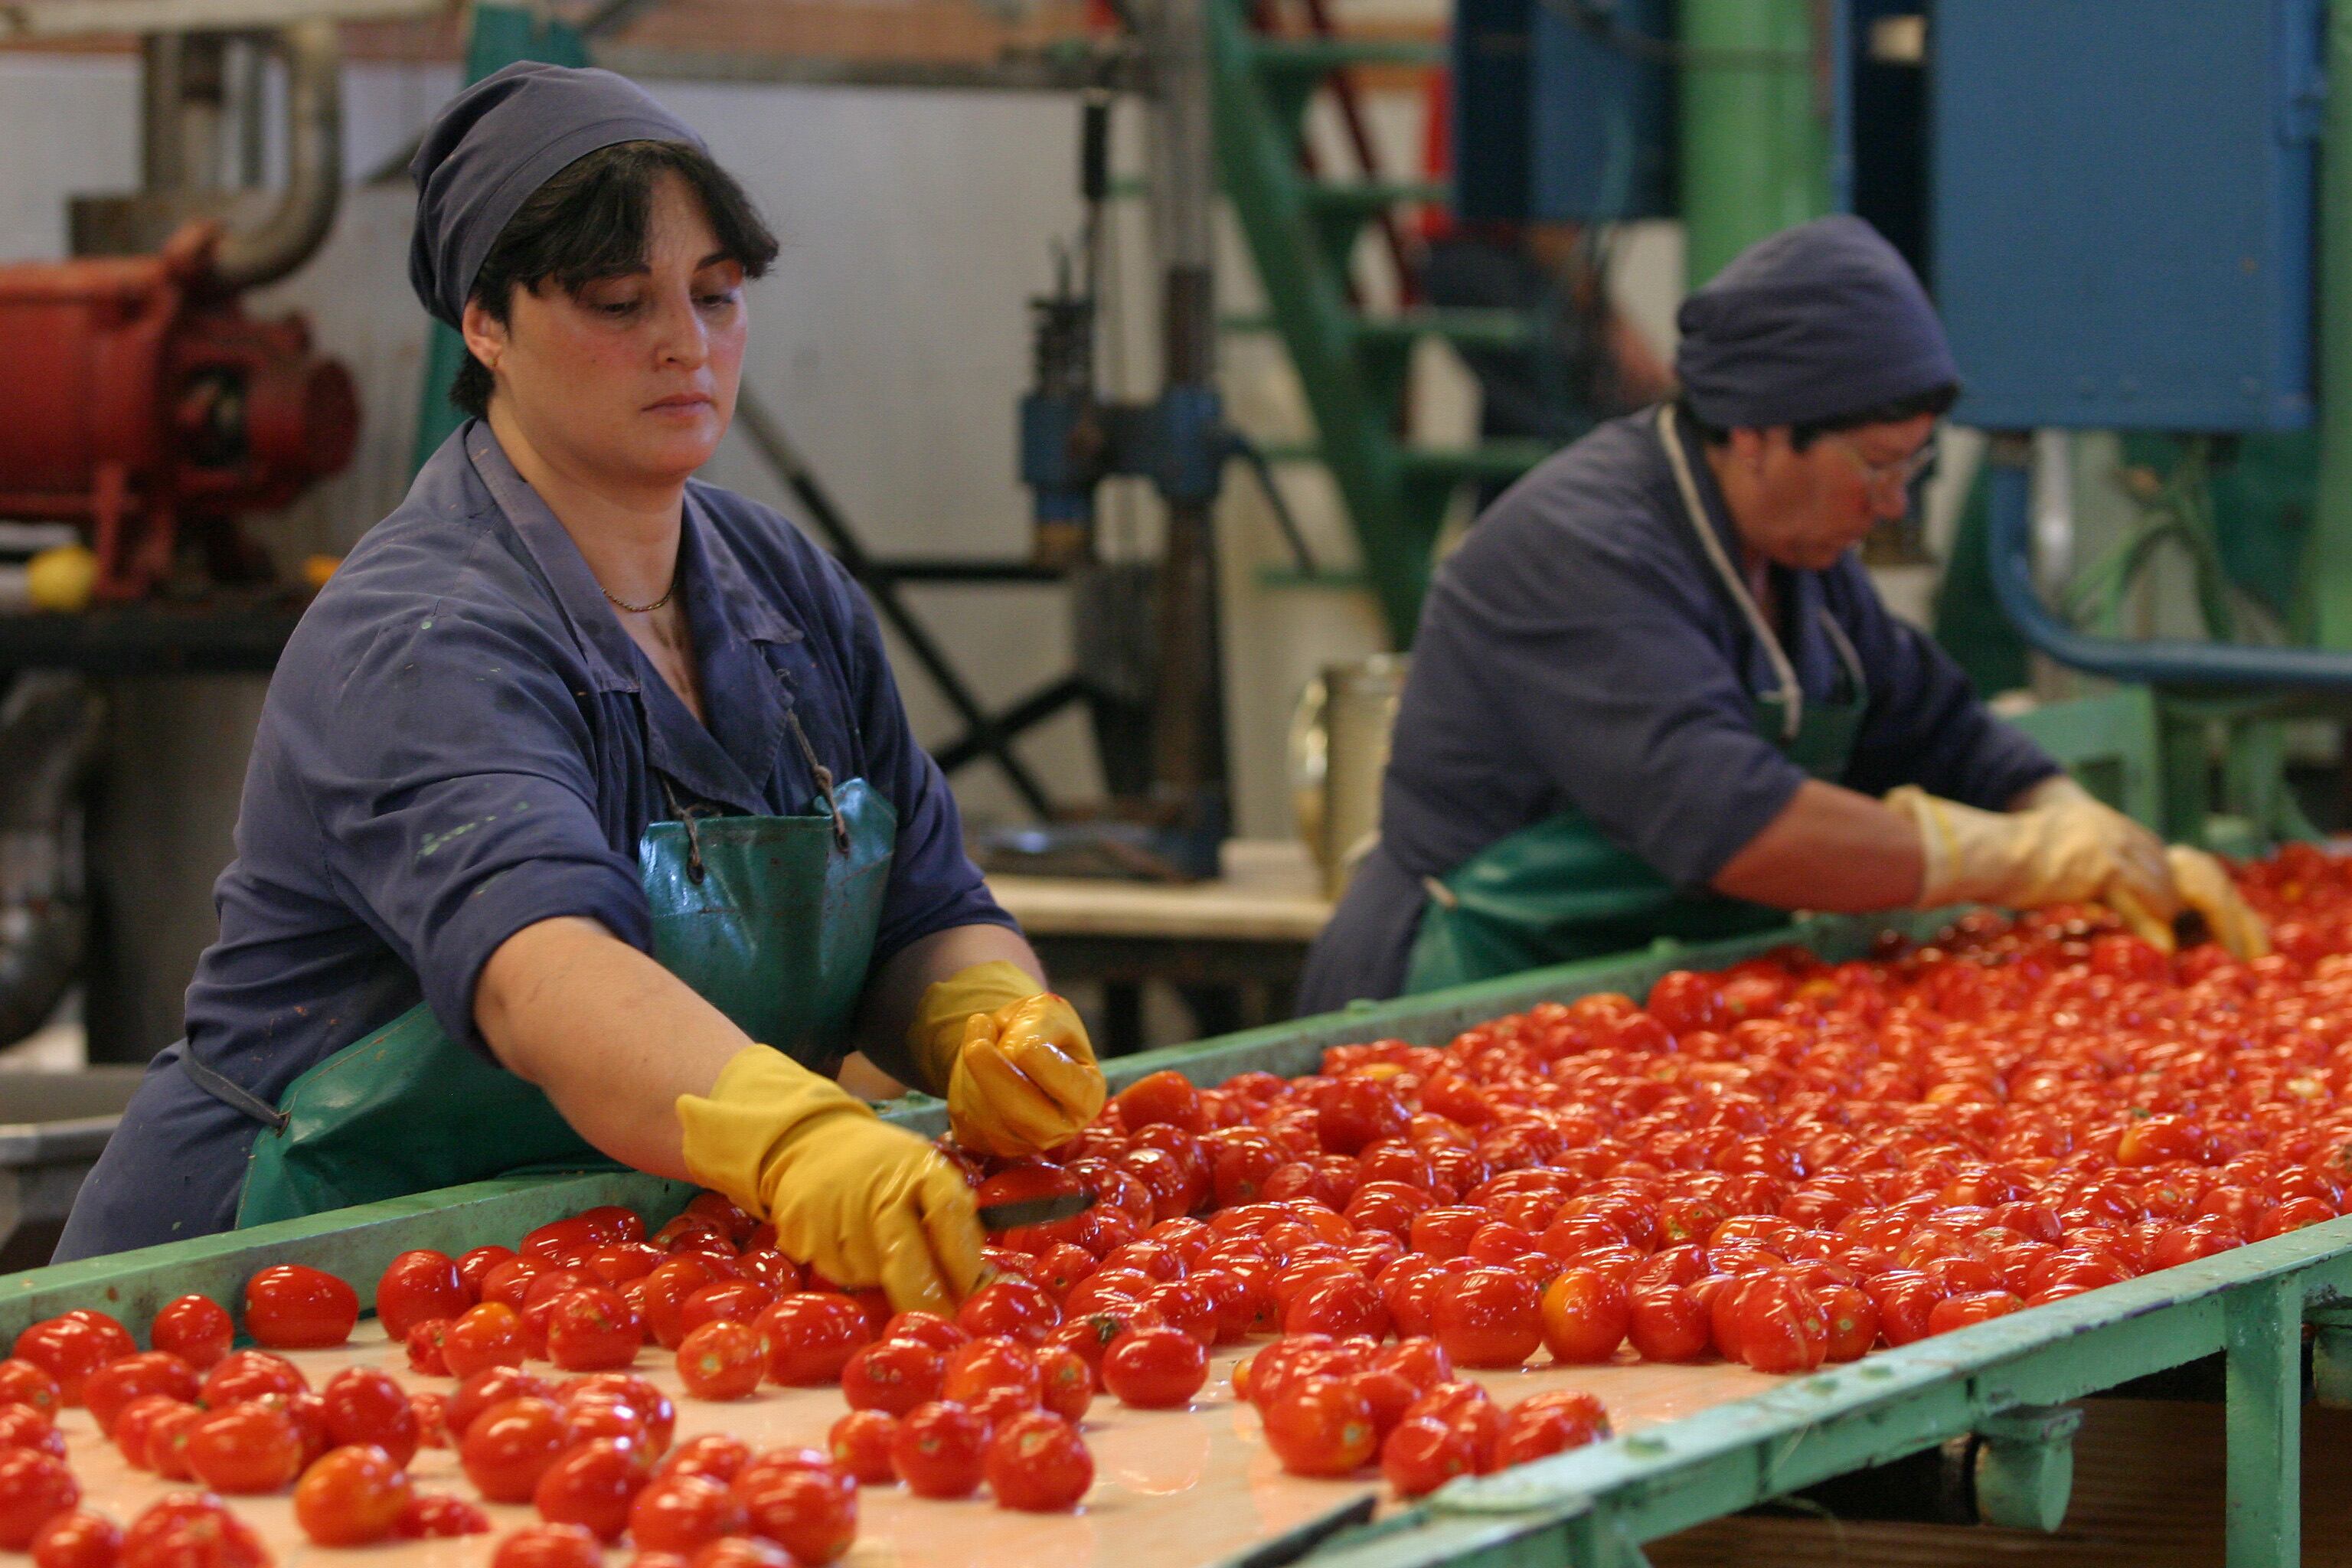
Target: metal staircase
{"x":1303,"y":228}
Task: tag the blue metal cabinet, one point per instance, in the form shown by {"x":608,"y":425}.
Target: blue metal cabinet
{"x":2124,"y":201}
{"x":1563,"y":110}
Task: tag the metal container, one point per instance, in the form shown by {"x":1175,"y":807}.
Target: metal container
{"x":52,"y":1127}
{"x":1339,"y":752}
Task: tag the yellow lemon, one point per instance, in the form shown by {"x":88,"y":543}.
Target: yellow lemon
{"x":62,"y":578}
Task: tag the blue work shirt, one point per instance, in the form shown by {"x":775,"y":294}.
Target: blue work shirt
{"x":1577,"y":651}
{"x":461,"y":741}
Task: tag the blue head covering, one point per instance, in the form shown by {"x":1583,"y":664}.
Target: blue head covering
{"x":494,"y":145}
{"x":1814,"y":322}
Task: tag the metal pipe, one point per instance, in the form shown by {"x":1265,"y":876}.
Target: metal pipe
{"x":2009,"y":531}
{"x":1755,"y":138}
{"x":50,"y":726}
{"x":2328,"y":557}
{"x":314,"y":165}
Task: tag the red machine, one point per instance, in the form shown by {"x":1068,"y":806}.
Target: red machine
{"x":136,"y":399}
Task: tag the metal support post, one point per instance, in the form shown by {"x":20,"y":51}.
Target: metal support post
{"x":2331,"y":1357}
{"x":2025,"y":1468}
{"x":1755,"y":129}
{"x":2262,"y":1334}
{"x":2328,"y":557}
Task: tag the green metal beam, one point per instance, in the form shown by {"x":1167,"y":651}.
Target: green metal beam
{"x":1755,"y":137}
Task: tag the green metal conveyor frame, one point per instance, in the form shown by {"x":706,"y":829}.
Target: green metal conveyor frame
{"x":2007,"y":1379}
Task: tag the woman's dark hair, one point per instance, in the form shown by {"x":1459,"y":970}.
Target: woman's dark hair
{"x":591,"y":222}
{"x":1936,"y":401}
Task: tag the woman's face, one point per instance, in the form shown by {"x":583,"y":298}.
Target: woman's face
{"x":631,"y":382}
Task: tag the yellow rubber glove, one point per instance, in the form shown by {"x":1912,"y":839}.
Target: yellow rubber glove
{"x":864,"y":1202}
{"x":2206,"y":888}
{"x":2063,"y":848}
{"x":1011,"y":1059}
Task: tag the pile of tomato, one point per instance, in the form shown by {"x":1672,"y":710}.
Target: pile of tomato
{"x":1784,"y":1163}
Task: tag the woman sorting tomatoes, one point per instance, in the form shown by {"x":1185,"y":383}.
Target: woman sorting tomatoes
{"x":1654,"y":693}
{"x":584,"y":821}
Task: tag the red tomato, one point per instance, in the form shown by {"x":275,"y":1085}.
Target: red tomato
{"x":811,"y":1337}
{"x":364,"y":1408}
{"x":1155,"y":1369}
{"x":427,"y":1347}
{"x":971,"y":1372}
{"x":860,"y":1444}
{"x":508,"y":1447}
{"x":191,"y":1530}
{"x":483,"y":1336}
{"x":22,"y":1383}
{"x":167,"y":1441}
{"x":893,"y":1375}
{"x":352,"y":1496}
{"x":1977,"y":1307}
{"x":1066,"y":1383}
{"x":1423,"y":1454}
{"x":549,"y":1546}
{"x":493,"y":1386}
{"x":250,"y":1374}
{"x":417,"y":1286}
{"x":431,"y":1411}
{"x":196,"y":1329}
{"x":718,"y":1455}
{"x":68,"y":1349}
{"x":1852,"y":1320}
{"x":432,"y":1516}
{"x":1012,"y":1309}
{"x":1585,"y":1315}
{"x":736,"y":1300}
{"x":1320,"y":1426}
{"x":811,"y":1514}
{"x":928,"y":1327}
{"x":1667,"y":1323}
{"x":741,"y":1552}
{"x":1341,"y":1304}
{"x":936,"y":1450}
{"x":592,"y":1485}
{"x":592,"y":1329}
{"x":1038,"y":1463}
{"x":722,"y":1361}
{"x":682,"y":1513}
{"x":111,"y":1388}
{"x":247,"y":1448}
{"x":1489,"y":1318}
{"x":131,"y":1428}
{"x":640,"y":1393}
{"x":292,"y":1307}
{"x":77,"y":1538}
{"x":1161,"y":1098}
{"x":35,"y":1488}
{"x":1550,"y":1424}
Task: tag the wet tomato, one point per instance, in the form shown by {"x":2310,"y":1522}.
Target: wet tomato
{"x":811,"y":1338}
{"x":196,"y":1329}
{"x":720,"y":1456}
{"x":417,"y":1286}
{"x":811,"y":1514}
{"x":425,"y":1342}
{"x":593,"y":1484}
{"x":35,"y":1488}
{"x":860,"y":1446}
{"x":592,"y":1329}
{"x":484,"y":1335}
{"x":1423,"y":1454}
{"x":108,"y":1390}
{"x":190,"y":1530}
{"x":1489,"y":1318}
{"x":894,"y":1376}
{"x":251,"y":1447}
{"x":1038,"y":1463}
{"x":77,"y":1538}
{"x":1066,"y":1383}
{"x":936,"y":1450}
{"x":431,"y":1516}
{"x":1320,"y":1426}
{"x":509,"y":1446}
{"x":69,"y":1349}
{"x":1155,"y":1369}
{"x":22,"y":1383}
{"x":1011,"y":1309}
{"x":364,"y":1408}
{"x":131,"y":1427}
{"x":1977,"y":1307}
{"x":1585,"y":1315}
{"x":549,"y":1546}
{"x":682,"y":1513}
{"x":722,"y":1360}
{"x":351,"y":1496}
{"x":1781,"y":1325}
{"x":293,"y":1306}
{"x":1550,"y":1424}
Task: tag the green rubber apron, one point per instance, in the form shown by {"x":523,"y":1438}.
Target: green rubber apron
{"x":1558,"y":891}
{"x":770,"y":919}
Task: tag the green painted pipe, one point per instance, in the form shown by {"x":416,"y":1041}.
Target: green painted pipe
{"x":1755,"y":131}
{"x":2327,"y":555}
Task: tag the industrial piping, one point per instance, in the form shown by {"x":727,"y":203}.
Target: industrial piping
{"x":314,"y":172}
{"x":2157,"y":662}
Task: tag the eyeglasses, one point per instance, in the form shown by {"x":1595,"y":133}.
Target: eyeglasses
{"x":1899,"y":473}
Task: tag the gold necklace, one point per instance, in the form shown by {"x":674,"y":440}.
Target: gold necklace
{"x":641,"y":609}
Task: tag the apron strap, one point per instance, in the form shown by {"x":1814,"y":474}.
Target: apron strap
{"x":685,"y":817}
{"x":824,"y":781}
{"x":229,"y":1092}
{"x":1792,"y":696}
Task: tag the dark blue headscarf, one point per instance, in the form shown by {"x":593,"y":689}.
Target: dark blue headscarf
{"x":1814,"y":322}
{"x":494,"y":145}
